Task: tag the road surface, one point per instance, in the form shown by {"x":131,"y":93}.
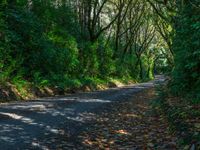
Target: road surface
{"x":54,"y":123}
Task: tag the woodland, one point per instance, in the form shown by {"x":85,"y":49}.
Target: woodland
{"x":69,"y":44}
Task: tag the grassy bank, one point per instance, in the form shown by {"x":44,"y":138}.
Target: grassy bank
{"x":24,"y":90}
{"x":183,"y":117}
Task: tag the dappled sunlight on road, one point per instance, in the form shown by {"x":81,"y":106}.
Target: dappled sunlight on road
{"x":83,"y":117}
{"x":38,"y":145}
{"x":17,"y":117}
{"x":132,"y":115}
{"x":55,"y":123}
{"x":45,"y":117}
{"x":122,"y":132}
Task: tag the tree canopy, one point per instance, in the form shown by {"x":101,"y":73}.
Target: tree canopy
{"x":48,"y":41}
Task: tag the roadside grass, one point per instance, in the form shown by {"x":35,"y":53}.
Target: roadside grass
{"x":23,"y":89}
{"x":183,"y":116}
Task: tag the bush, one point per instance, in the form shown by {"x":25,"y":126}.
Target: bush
{"x":186,"y":45}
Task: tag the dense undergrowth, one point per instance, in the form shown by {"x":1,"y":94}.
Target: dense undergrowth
{"x":44,"y":45}
{"x":24,"y":90}
{"x":182,"y":116}
{"x":179,"y":101}
{"x":186,"y":46}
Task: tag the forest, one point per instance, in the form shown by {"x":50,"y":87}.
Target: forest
{"x":72,"y":43}
{"x":66,"y":45}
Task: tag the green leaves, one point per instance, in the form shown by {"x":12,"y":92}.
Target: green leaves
{"x":186,"y":45}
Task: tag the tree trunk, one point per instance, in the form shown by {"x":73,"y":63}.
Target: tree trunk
{"x":141,"y":69}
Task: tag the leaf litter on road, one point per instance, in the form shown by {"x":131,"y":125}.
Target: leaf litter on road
{"x":129,"y":125}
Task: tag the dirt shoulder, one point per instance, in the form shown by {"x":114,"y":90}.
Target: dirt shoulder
{"x":27,"y":91}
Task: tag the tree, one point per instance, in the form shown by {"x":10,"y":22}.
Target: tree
{"x":186,"y":48}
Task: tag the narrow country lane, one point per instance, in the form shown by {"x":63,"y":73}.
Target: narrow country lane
{"x":57,"y":122}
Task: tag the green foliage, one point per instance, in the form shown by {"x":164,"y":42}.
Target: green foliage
{"x":182,"y":117}
{"x":90,"y":60}
{"x":45,"y":44}
{"x":106,"y":63}
{"x":186,"y":45}
{"x":65,"y":52}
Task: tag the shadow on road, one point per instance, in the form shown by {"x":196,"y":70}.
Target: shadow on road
{"x":51,"y":123}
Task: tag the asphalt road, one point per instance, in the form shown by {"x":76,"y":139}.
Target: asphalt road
{"x":54,"y":123}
